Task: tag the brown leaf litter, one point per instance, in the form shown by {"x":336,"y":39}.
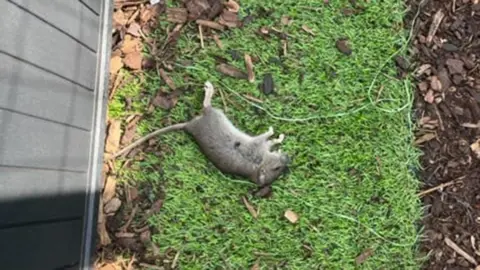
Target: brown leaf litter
{"x":231,"y":71}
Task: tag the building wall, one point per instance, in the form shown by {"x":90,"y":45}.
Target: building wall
{"x":52,"y":103}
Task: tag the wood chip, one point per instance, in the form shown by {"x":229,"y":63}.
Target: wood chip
{"x":124,"y":235}
{"x":291,"y":216}
{"x":437,"y":20}
{"x":425,"y":138}
{"x":308,"y":30}
{"x":435,"y":83}
{"x":460,"y":251}
{"x":167,"y":79}
{"x":231,"y":71}
{"x":250,"y":208}
{"x":475,"y":147}
{"x":249,"y":67}
{"x":211,"y":24}
{"x":177,"y":15}
{"x":429,"y":97}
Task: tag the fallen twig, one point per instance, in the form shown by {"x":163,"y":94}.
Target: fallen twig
{"x":130,"y":219}
{"x":200,"y":32}
{"x":152,"y":266}
{"x":211,"y":24}
{"x":218,"y":41}
{"x":437,"y":19}
{"x":441,"y":186}
{"x":175,"y":260}
{"x":254,"y":99}
{"x":460,"y":251}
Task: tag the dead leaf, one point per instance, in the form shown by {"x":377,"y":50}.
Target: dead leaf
{"x":256,"y":266}
{"x":119,"y":19}
{"x":164,"y":100}
{"x":110,"y":266}
{"x":133,"y":60}
{"x":130,"y":130}
{"x":177,"y":15}
{"x":131,"y":44}
{"x":291,"y":216}
{"x":249,"y":67}
{"x":232,"y":6}
{"x":263,"y":192}
{"x":343,"y":46}
{"x":156,"y":207}
{"x":308,"y":30}
{"x":231,"y":71}
{"x":425,"y":138}
{"x":268,"y":85}
{"x":285,"y":20}
{"x":134,"y":29}
{"x":132,"y":193}
{"x":250,"y":208}
{"x":364,"y":256}
{"x":429,"y":97}
{"x":113,"y":139}
{"x":115,"y":64}
{"x":109,"y":189}
{"x":475,"y":147}
{"x":167,"y":79}
{"x":422,"y":70}
{"x":112,"y":206}
{"x":148,"y":63}
{"x":229,"y":19}
{"x":151,"y":12}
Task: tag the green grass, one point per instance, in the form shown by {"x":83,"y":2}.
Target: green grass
{"x":351,"y":180}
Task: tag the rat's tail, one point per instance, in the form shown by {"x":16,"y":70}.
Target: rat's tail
{"x":164,"y":130}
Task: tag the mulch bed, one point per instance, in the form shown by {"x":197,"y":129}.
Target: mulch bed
{"x":447,"y":112}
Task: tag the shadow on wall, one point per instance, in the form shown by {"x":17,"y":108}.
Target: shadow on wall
{"x":47,"y":77}
{"x":41,"y":232}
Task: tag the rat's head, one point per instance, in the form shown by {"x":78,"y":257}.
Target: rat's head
{"x":273,"y":165}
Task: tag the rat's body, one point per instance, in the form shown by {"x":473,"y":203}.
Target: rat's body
{"x":229,"y":149}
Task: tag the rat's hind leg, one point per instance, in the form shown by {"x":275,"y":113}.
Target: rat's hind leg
{"x":266,"y":135}
{"x":279,"y":140}
{"x":209,"y":91}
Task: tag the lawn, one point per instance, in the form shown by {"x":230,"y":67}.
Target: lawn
{"x":347,"y":126}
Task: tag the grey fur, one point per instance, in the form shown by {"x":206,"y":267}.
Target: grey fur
{"x":229,"y":149}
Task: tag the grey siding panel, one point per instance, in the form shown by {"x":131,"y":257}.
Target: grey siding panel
{"x":41,"y":247}
{"x":95,"y":5}
{"x":72,"y":17}
{"x":26,"y":141}
{"x":28,"y":195}
{"x":29,"y":38}
{"x":30,"y":90}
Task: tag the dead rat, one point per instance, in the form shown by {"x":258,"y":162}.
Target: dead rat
{"x":229,"y":149}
